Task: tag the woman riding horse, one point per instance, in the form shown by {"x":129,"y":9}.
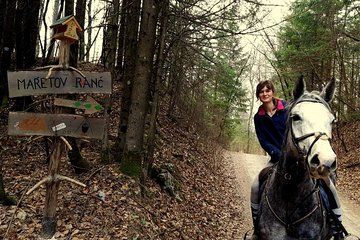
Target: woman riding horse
{"x":270,"y":125}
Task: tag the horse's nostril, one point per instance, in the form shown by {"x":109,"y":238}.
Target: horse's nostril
{"x":315,"y":160}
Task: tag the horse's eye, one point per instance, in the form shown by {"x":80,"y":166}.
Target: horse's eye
{"x":295,"y":117}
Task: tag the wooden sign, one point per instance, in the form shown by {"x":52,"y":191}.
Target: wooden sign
{"x":90,"y":105}
{"x":24,"y":123}
{"x":29,"y":83}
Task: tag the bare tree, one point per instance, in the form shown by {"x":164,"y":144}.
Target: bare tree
{"x":150,"y":143}
{"x":133,"y":156}
{"x":90,"y":21}
{"x":109,"y":60}
{"x":77,"y":49}
{"x":26,"y":23}
{"x":57,"y":11}
{"x":7,"y":42}
{"x":131,"y":10}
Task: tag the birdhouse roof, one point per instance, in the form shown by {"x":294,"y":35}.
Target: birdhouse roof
{"x":65,"y":21}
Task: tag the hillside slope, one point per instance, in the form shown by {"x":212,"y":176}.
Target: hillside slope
{"x":347,"y":147}
{"x":111,"y":206}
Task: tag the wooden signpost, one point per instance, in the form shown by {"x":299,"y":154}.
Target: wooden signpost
{"x":46,"y":124}
{"x":90,"y":105}
{"x":59,"y":79}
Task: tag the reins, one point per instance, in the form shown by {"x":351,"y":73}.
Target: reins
{"x":318,"y":135}
{"x":287,"y":176}
{"x":285,"y":222}
{"x":287,"y":225}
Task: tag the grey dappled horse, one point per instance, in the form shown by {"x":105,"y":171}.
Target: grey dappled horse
{"x":290,"y":205}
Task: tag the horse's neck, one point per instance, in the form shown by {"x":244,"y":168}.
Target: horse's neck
{"x":292,"y":177}
{"x":293,"y":163}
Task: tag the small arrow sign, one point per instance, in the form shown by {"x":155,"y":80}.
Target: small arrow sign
{"x":90,"y":105}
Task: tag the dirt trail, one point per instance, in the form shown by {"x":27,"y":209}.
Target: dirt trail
{"x":247,"y":167}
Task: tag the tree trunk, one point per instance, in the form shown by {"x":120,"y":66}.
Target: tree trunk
{"x":69,"y":7}
{"x":7,"y":13}
{"x":79,"y":164}
{"x":7,"y":46}
{"x":132,"y":13}
{"x":155,"y":101}
{"x":109,"y":58}
{"x":78,"y":45}
{"x":58,"y":8}
{"x":121,"y":38}
{"x":26,"y":25}
{"x":110,"y":36}
{"x":251,"y":107}
{"x":69,"y":10}
{"x":20,"y":11}
{"x":80,"y":17}
{"x":31,"y":27}
{"x":133,"y":154}
{"x":88,"y":46}
{"x":3,"y":6}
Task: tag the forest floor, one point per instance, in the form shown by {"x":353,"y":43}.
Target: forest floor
{"x":112,"y":206}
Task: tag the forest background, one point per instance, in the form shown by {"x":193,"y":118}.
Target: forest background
{"x":183,"y":60}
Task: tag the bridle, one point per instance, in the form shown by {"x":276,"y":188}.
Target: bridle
{"x":297,"y":140}
{"x":305,"y":154}
{"x":318,"y":135}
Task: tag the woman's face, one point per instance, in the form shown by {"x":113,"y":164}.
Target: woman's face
{"x":266,"y":95}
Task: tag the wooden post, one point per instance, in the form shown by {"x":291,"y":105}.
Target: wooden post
{"x":64,"y":53}
{"x":57,"y":125}
{"x":52,"y":187}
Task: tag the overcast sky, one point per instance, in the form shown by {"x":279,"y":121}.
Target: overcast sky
{"x":261,"y":70}
{"x":277,"y":10}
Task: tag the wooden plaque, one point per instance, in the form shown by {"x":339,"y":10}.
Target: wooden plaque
{"x":27,"y":124}
{"x":29,"y":83}
{"x":90,"y":106}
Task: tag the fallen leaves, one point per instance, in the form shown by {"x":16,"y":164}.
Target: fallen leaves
{"x":346,"y":144}
{"x":111,"y":206}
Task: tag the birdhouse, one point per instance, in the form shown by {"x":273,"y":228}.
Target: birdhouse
{"x":66,"y":28}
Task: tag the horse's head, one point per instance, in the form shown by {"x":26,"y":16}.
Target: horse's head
{"x":310,"y":120}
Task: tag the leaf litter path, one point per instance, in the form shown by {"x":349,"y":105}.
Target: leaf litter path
{"x":247,"y":167}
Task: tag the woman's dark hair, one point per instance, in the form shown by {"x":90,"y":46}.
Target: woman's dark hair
{"x":262,"y":84}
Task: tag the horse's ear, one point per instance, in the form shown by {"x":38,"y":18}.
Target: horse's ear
{"x":299,"y":88}
{"x":329,"y":91}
